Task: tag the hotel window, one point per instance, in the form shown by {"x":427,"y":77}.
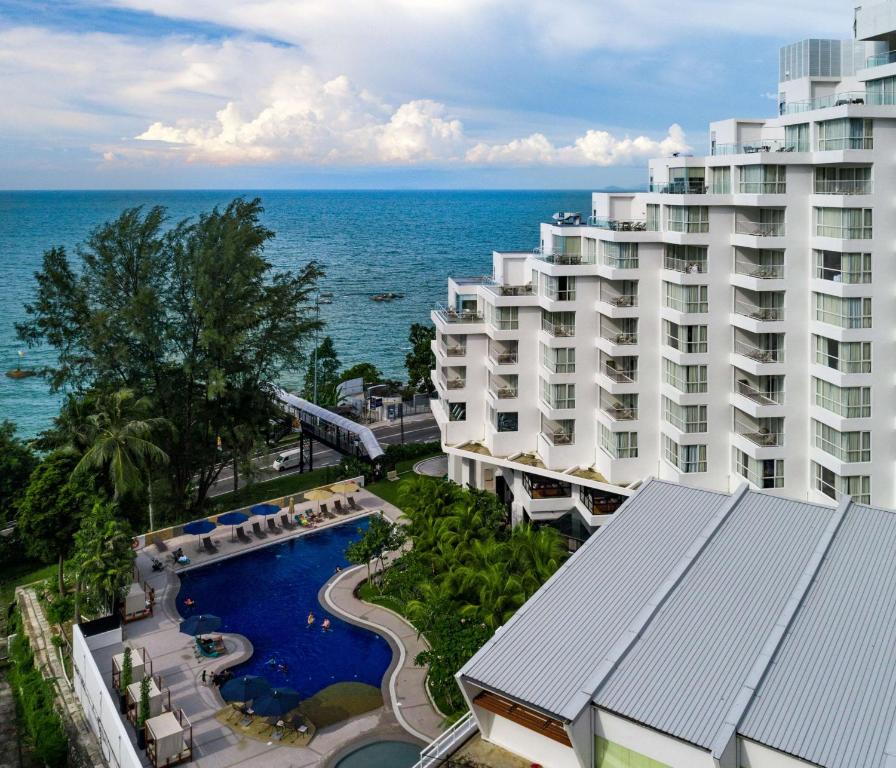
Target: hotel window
{"x":830,"y":484}
{"x":620,"y":445}
{"x":763,"y":179}
{"x":619,"y":255}
{"x":833,"y":180}
{"x":558,"y":395}
{"x":504,"y":318}
{"x":796,"y":137}
{"x":688,"y":218}
{"x":506,"y":421}
{"x":846,"y":446}
{"x":558,"y":288}
{"x":685,"y":458}
{"x":690,"y":379}
{"x":844,"y":223}
{"x":457,"y":411}
{"x":558,"y":359}
{"x":843,"y":312}
{"x":686,"y":298}
{"x":845,"y":133}
{"x":559,"y":324}
{"x":763,"y":473}
{"x":653,"y":217}
{"x":559,"y":432}
{"x":685,"y":418}
{"x":881,"y":91}
{"x":843,"y":267}
{"x":690,"y":259}
{"x":843,"y":356}
{"x":850,"y":402}
{"x":721,"y":181}
{"x":690,"y":339}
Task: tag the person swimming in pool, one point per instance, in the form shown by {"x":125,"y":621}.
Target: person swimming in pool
{"x":310,"y":620}
{"x":189,"y":602}
{"x":326,"y":625}
{"x":282,"y":668}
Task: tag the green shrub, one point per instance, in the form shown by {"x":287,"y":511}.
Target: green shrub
{"x":397,"y":452}
{"x":61,"y":609}
{"x":34,"y":704}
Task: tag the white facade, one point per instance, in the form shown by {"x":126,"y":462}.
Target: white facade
{"x":733,"y":322}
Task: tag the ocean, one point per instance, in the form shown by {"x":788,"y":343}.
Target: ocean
{"x":368,"y":242}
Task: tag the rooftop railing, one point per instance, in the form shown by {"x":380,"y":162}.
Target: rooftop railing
{"x":618,"y":225}
{"x":823,"y":102}
{"x":451,"y":315}
{"x":567,"y":259}
{"x":757,"y":147}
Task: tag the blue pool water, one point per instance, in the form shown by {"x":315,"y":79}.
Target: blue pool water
{"x":382,"y":754}
{"x":266,"y":595}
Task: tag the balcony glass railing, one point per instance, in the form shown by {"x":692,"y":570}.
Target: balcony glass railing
{"x":453,"y":350}
{"x":558,"y":329}
{"x":835,"y":275}
{"x":559,"y":437}
{"x":755,"y":312}
{"x":503,"y":392}
{"x":758,"y":354}
{"x":844,"y":232}
{"x":762,"y":271}
{"x":619,"y":337}
{"x":504,"y":358}
{"x":766,"y":145}
{"x":620,"y":375}
{"x":451,"y":315}
{"x":759,"y":434}
{"x":762,"y":187}
{"x":879,"y":59}
{"x":758,"y":229}
{"x":688,"y":266}
{"x":621,"y":300}
{"x":618,"y":225}
{"x":620,"y":412}
{"x":823,"y":102}
{"x":680,"y":188}
{"x":565,"y":259}
{"x":511,"y":290}
{"x":743,"y":387}
{"x":846,"y":187}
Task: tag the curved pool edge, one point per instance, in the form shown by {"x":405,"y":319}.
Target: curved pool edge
{"x":402,"y":658}
{"x":384,"y":733}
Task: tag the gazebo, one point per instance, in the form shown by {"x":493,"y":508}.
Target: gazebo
{"x":137,"y":603}
{"x":141,"y":665}
{"x":169,"y":739}
{"x":159,"y":699}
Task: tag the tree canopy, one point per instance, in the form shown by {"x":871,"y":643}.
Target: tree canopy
{"x":420,"y":360}
{"x":17,"y":461}
{"x":327,"y":364}
{"x":190,"y":315}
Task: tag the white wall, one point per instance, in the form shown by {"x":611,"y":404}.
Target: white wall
{"x":753,"y":755}
{"x":100,"y":708}
{"x":523,"y":742}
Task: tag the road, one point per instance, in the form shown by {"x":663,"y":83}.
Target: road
{"x":417,"y":429}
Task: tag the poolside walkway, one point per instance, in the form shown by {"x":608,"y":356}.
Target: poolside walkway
{"x":407,"y":684}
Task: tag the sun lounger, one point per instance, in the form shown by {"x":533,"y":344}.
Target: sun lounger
{"x":161,"y":546}
{"x":353,"y":504}
{"x":326,"y":512}
{"x":256,"y":529}
{"x":212,"y":649}
{"x":208,"y":546}
{"x":285,"y":523}
{"x":272,"y":526}
{"x":242,"y":535}
{"x":337,"y":505}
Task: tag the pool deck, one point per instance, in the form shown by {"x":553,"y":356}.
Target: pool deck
{"x":218,"y":746}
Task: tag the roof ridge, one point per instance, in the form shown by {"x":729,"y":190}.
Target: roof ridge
{"x":636,"y":627}
{"x":744,"y":697}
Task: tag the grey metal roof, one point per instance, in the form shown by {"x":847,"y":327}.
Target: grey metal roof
{"x":691,"y":660}
{"x":705,"y":616}
{"x":365,"y":434}
{"x":541,"y":656}
{"x":830,"y":695}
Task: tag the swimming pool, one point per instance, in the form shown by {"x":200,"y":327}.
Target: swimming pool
{"x":382,"y":754}
{"x":266,"y":594}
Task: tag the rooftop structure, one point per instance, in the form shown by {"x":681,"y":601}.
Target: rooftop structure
{"x":737,"y":630}
{"x":731,"y":323}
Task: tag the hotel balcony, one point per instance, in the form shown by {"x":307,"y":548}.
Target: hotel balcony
{"x":758,"y":396}
{"x":620,"y":407}
{"x":760,"y":354}
{"x":758,"y":269}
{"x":618,"y":225}
{"x":823,"y":102}
{"x":758,"y":311}
{"x":845,"y":187}
{"x":558,"y":329}
{"x":503,"y":352}
{"x":693,"y":266}
{"x":758,"y":147}
{"x":689,"y":187}
{"x":452,"y":346}
{"x":751,"y":228}
{"x":619,"y":370}
{"x":458,"y":321}
{"x":503,"y":387}
{"x":562,"y":259}
{"x":762,"y":433}
{"x":619,"y":298}
{"x":453,"y":378}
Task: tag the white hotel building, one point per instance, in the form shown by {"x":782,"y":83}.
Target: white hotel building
{"x":735,"y":322}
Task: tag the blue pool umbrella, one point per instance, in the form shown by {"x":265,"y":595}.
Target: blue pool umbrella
{"x":276,"y":702}
{"x":232,"y":519}
{"x":264,"y":509}
{"x":201,"y":624}
{"x":198,"y":527}
{"x":247,"y":688}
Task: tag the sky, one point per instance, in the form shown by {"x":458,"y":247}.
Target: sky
{"x":126,"y":94}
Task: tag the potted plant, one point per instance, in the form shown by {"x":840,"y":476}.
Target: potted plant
{"x":143,"y":713}
{"x":125,"y":679}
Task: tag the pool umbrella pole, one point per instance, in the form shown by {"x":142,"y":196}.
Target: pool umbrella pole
{"x":233,"y":519}
{"x":318,"y":495}
{"x":198,"y":528}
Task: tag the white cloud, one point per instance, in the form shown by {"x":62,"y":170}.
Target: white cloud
{"x":599,"y":148}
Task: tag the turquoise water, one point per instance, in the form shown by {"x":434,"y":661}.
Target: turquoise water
{"x":382,"y":754}
{"x":369,"y":242}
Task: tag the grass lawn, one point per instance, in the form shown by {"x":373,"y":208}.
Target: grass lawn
{"x":21,"y":573}
{"x":389,"y":490}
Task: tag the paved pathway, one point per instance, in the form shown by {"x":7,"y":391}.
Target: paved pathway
{"x":9,"y":740}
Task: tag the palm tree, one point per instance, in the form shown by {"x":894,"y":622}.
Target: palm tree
{"x":122,"y":441}
{"x":499,"y":594}
{"x":536,"y":554}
